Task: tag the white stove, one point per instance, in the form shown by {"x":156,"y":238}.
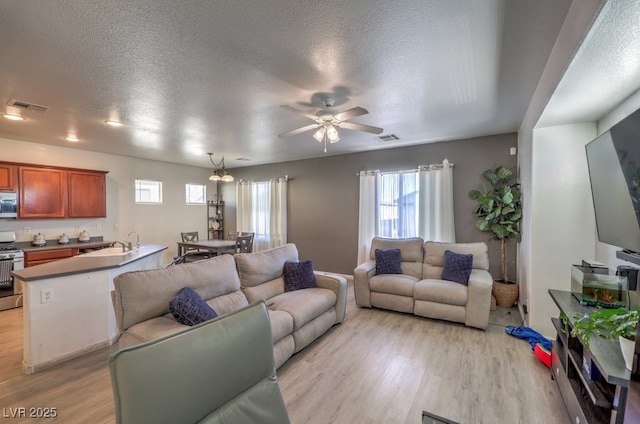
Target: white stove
{"x":10,"y":294}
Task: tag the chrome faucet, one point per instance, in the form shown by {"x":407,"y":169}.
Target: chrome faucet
{"x":125,"y":247}
{"x":137,"y":239}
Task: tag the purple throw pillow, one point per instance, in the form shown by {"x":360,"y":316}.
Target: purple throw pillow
{"x":388,"y":261}
{"x":189,"y":308}
{"x":457,"y":267}
{"x":298,"y":275}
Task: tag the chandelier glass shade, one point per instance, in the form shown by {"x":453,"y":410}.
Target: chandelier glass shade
{"x":219,"y":174}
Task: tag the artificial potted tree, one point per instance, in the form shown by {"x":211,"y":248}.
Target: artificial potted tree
{"x":499,"y":211}
{"x":613,"y":324}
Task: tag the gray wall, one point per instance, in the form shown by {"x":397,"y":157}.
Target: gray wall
{"x":323,"y":195}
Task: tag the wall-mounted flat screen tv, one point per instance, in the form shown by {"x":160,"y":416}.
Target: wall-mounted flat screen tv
{"x":614,"y":171}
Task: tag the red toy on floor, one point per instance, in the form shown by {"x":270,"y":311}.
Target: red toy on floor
{"x":542,"y":354}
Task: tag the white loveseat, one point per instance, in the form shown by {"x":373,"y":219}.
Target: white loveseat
{"x":420,"y":290}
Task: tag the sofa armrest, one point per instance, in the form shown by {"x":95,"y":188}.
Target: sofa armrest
{"x":361,"y":276}
{"x":479,"y":299}
{"x":117,"y":308}
{"x":337,"y":284}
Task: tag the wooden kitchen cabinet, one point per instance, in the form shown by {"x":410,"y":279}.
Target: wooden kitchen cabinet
{"x":55,"y":192}
{"x":87,"y":194}
{"x":44,"y":256}
{"x":42,"y":192}
{"x":8,"y":177}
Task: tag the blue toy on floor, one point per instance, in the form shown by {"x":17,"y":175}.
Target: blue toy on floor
{"x":540,"y":345}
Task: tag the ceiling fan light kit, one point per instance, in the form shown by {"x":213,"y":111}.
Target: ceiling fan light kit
{"x":332,"y":134}
{"x":319,"y":135}
{"x":327,"y":122}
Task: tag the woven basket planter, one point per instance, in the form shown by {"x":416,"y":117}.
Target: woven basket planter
{"x":506,"y":294}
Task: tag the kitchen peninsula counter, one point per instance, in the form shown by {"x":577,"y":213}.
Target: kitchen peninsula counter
{"x":67,"y":306}
{"x":84,"y":263}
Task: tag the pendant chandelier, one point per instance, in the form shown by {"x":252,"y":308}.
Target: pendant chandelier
{"x":219,"y":174}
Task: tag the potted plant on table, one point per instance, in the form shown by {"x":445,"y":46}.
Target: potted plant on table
{"x":499,"y":211}
{"x":613,"y":324}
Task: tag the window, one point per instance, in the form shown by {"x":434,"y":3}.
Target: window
{"x":398,"y":198}
{"x":262,"y":210}
{"x":195,"y":194}
{"x":261,"y":213}
{"x":148,"y":192}
{"x":411,"y":203}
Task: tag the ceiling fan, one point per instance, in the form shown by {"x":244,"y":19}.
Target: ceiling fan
{"x":327,"y":120}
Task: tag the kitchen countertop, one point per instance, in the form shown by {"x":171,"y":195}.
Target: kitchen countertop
{"x":93,"y":243}
{"x":84,"y":263}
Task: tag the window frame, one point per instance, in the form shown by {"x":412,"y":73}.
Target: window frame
{"x":396,"y":222}
{"x":138,"y":182}
{"x":189,"y":201}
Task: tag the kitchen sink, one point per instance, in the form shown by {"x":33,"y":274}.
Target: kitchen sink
{"x":109,"y":251}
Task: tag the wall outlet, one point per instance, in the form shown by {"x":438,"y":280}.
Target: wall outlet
{"x":27,"y":230}
{"x":99,"y":227}
{"x":46,"y":295}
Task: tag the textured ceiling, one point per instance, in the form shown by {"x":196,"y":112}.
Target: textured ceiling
{"x":604,"y":71}
{"x":190,"y":77}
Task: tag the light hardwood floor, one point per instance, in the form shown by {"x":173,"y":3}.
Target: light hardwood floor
{"x":376,"y":367}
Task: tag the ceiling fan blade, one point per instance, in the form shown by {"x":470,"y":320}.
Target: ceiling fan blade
{"x":351,"y":113}
{"x":299,"y":130}
{"x":308,"y":115}
{"x":360,"y":127}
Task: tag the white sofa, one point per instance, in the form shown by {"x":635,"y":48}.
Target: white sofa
{"x":228,"y":283}
{"x":420,"y":290}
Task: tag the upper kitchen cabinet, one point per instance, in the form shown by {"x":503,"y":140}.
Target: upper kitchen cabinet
{"x":55,"y":192}
{"x":8,"y":177}
{"x":42,"y":192}
{"x":87,"y":194}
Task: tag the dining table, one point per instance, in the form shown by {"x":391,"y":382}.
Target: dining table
{"x":216,"y":246}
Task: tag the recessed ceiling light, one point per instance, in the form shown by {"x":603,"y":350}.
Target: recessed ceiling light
{"x":72,"y":138}
{"x":113,"y":123}
{"x":13,"y":117}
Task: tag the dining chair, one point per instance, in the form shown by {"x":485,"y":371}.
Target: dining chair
{"x":178,"y":260}
{"x":244,"y":244}
{"x":193,"y":254}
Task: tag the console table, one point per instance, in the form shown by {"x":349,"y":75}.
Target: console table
{"x":588,"y":400}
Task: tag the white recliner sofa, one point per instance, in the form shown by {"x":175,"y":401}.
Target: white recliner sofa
{"x":420,"y":290}
{"x":228,"y":283}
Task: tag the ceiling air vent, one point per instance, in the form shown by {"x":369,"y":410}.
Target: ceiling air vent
{"x":27,"y":106}
{"x":389,"y":137}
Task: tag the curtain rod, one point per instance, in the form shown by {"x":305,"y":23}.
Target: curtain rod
{"x":419,"y":168}
{"x":285,"y":178}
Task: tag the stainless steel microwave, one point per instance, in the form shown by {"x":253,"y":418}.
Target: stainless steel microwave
{"x":8,"y":205}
